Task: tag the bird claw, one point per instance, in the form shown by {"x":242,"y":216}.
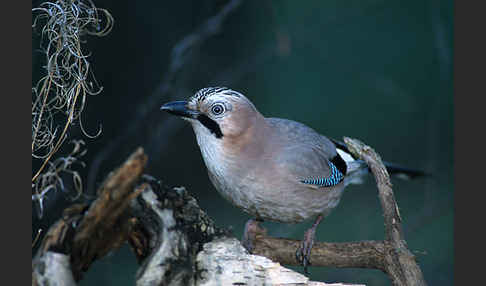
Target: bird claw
{"x":247,"y":241}
{"x":303,"y":252}
{"x":252,"y":229}
{"x":248,"y":245}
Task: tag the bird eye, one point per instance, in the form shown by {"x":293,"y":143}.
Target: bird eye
{"x":217,"y":109}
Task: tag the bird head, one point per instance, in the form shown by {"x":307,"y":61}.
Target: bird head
{"x":216,"y":112}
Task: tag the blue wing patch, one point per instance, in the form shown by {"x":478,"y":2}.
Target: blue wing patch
{"x":335,"y":178}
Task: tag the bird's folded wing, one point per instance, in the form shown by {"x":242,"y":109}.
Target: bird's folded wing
{"x":310,"y":165}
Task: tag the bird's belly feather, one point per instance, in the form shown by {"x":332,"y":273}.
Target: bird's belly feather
{"x":288,"y":202}
{"x":264,"y":194}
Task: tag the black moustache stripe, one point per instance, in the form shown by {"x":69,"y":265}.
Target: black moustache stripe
{"x":211,"y":125}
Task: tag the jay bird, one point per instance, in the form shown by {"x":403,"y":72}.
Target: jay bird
{"x":274,"y":169}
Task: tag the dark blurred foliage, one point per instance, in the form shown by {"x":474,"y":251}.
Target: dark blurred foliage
{"x":379,"y":71}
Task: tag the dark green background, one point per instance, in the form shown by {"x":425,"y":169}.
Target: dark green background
{"x":379,"y":71}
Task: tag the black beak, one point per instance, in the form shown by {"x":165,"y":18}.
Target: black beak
{"x":179,"y":108}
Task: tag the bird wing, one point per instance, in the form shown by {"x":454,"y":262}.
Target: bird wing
{"x":309,"y":165}
{"x":305,"y":155}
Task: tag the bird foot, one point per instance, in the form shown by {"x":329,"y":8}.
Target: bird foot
{"x":252,"y":229}
{"x":303,"y":252}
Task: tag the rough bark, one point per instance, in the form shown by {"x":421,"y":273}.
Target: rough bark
{"x":178,"y":244}
{"x":169,"y":231}
{"x":88,"y":232}
{"x":53,"y":269}
{"x":225,"y":262}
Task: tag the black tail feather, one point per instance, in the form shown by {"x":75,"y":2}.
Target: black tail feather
{"x":392,"y":168}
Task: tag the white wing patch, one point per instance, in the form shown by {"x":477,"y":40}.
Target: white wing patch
{"x":345,"y":155}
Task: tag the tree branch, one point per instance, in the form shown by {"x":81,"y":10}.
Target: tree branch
{"x":360,"y":254}
{"x":390,"y":255}
{"x":89,"y":232}
{"x":401,"y":265}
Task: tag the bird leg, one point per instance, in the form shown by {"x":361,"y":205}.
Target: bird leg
{"x":303,"y":252}
{"x":252,"y":229}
